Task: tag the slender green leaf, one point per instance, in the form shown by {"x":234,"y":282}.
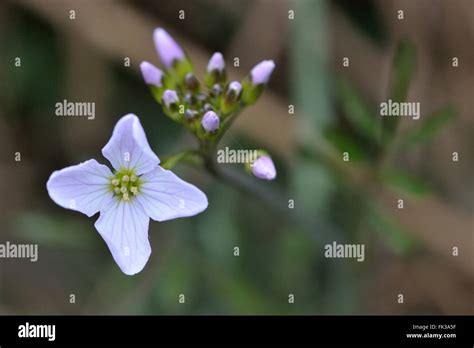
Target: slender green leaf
{"x":402,"y":73}
{"x":356,"y":109}
{"x":432,"y":125}
{"x":344,"y":142}
{"x":396,"y":236}
{"x":405,"y":183}
{"x":403,"y":69}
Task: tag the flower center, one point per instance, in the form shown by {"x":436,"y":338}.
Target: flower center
{"x":125,"y":184}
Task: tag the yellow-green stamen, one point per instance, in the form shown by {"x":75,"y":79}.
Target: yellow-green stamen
{"x":125,"y":184}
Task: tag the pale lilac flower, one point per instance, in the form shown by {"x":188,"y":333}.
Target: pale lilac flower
{"x":236,"y":87}
{"x":137,"y":190}
{"x":216,"y":63}
{"x":263,"y":168}
{"x":261,"y":72}
{"x":210,"y":121}
{"x":170,"y":97}
{"x":151,"y":74}
{"x":168,"y":50}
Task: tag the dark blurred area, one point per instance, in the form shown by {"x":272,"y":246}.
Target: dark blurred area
{"x":409,"y":251}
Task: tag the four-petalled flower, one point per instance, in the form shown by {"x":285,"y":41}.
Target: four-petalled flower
{"x":137,"y":190}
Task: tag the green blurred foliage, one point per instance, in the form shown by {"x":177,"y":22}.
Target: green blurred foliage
{"x":405,"y":182}
{"x":403,"y":68}
{"x":431,"y":126}
{"x":396,"y":237}
{"x":358,"y":112}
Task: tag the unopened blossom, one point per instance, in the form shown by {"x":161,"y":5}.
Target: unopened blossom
{"x":260,"y":73}
{"x":151,"y":74}
{"x":191,"y":82}
{"x":170,"y":97}
{"x":263,"y":168}
{"x":210,"y":121}
{"x":136,"y":190}
{"x":232,"y":96}
{"x":167,"y":48}
{"x":216,"y":63}
{"x":235,"y":87}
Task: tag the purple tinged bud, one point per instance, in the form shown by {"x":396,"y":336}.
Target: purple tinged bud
{"x":167,"y":48}
{"x":190,"y":114}
{"x":151,"y":74}
{"x":216,"y":90}
{"x":210,"y":121}
{"x":235,"y":87}
{"x":188,"y":98}
{"x":201,"y":97}
{"x":216,"y":63}
{"x":208,"y":107}
{"x":191,"y":82}
{"x":261,"y":72}
{"x":170,"y":97}
{"x":263,"y":168}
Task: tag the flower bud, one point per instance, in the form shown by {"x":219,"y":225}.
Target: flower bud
{"x":263,"y":168}
{"x":188,"y":98}
{"x":168,"y":50}
{"x":215,"y":70}
{"x":170,"y":97}
{"x":216,"y":63}
{"x":234,"y":88}
{"x":190,"y":114}
{"x":210,"y":121}
{"x":201,"y":97}
{"x":260,"y":73}
{"x":151,"y":74}
{"x":208,"y":107}
{"x":232,"y":96}
{"x":191,"y":82}
{"x":253,"y":85}
{"x":216,"y":90}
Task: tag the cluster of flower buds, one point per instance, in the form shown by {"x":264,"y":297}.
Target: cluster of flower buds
{"x":205,"y":110}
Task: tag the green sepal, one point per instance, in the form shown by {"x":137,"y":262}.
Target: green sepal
{"x":157,"y":93}
{"x":215,"y":76}
{"x":251,"y":92}
{"x":181,"y":68}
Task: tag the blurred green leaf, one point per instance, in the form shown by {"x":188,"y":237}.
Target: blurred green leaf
{"x":404,"y":182}
{"x":53,"y":231}
{"x":343,"y":142}
{"x":396,"y":236}
{"x":403,"y":68}
{"x":36,"y":83}
{"x":432,"y":125}
{"x":356,"y":109}
{"x":402,"y":72}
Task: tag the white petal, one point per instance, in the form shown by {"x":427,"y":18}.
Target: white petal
{"x":164,"y":196}
{"x":124,"y":227}
{"x":129,"y":148}
{"x":83,"y":187}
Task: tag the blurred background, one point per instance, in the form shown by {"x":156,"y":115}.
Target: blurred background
{"x":408,"y":251}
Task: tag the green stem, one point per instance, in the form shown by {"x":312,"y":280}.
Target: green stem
{"x":190,"y":156}
{"x":226,"y":125}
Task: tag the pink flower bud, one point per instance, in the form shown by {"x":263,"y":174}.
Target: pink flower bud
{"x":263,"y":168}
{"x":210,"y":121}
{"x":151,"y":74}
{"x":261,"y":72}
